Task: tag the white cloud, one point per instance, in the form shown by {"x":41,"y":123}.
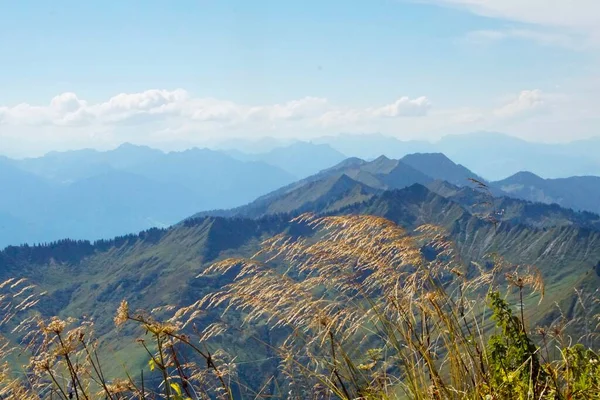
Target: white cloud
{"x":66,"y":103}
{"x":68,"y":109}
{"x":151,"y":102}
{"x":538,"y":36}
{"x":577,"y":15}
{"x":165,"y":118}
{"x":292,"y":110}
{"x":160,"y":116}
{"x":573,"y":24}
{"x":526,"y":102}
{"x":404,"y":107}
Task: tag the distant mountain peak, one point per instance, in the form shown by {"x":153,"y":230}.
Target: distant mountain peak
{"x":439,"y":166}
{"x":527,"y":174}
{"x":127,"y":145}
{"x":381,"y":164}
{"x":301,"y":159}
{"x":381,"y":158}
{"x":523,"y":177}
{"x":347,"y":163}
{"x":344,"y":180}
{"x":429,"y":157}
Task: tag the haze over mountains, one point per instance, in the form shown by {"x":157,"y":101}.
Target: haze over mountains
{"x":300,"y":159}
{"x":89,"y":194}
{"x":493,"y":155}
{"x":92,"y":195}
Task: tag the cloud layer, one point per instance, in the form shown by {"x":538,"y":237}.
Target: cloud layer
{"x":150,"y":105}
{"x":160,"y":117}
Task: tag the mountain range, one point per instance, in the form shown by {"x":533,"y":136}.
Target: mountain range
{"x":159,"y":266}
{"x":359,"y":180}
{"x":493,"y":155}
{"x":300,"y":159}
{"x":579,"y":192}
{"x":89,"y":194}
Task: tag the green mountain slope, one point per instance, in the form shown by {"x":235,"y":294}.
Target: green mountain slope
{"x":328,"y":194}
{"x":159,"y":266}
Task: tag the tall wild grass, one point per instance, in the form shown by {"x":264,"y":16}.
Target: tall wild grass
{"x":369,"y":310}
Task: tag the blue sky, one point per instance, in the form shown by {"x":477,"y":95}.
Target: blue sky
{"x":194,"y":72}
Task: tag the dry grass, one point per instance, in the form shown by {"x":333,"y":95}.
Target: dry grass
{"x":366,"y":282}
{"x":368,"y":316}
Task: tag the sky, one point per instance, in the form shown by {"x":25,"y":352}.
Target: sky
{"x":183,"y":73}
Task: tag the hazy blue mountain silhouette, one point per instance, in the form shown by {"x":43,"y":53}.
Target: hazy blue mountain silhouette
{"x":300,"y":159}
{"x":577,"y":192}
{"x":89,"y":194}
